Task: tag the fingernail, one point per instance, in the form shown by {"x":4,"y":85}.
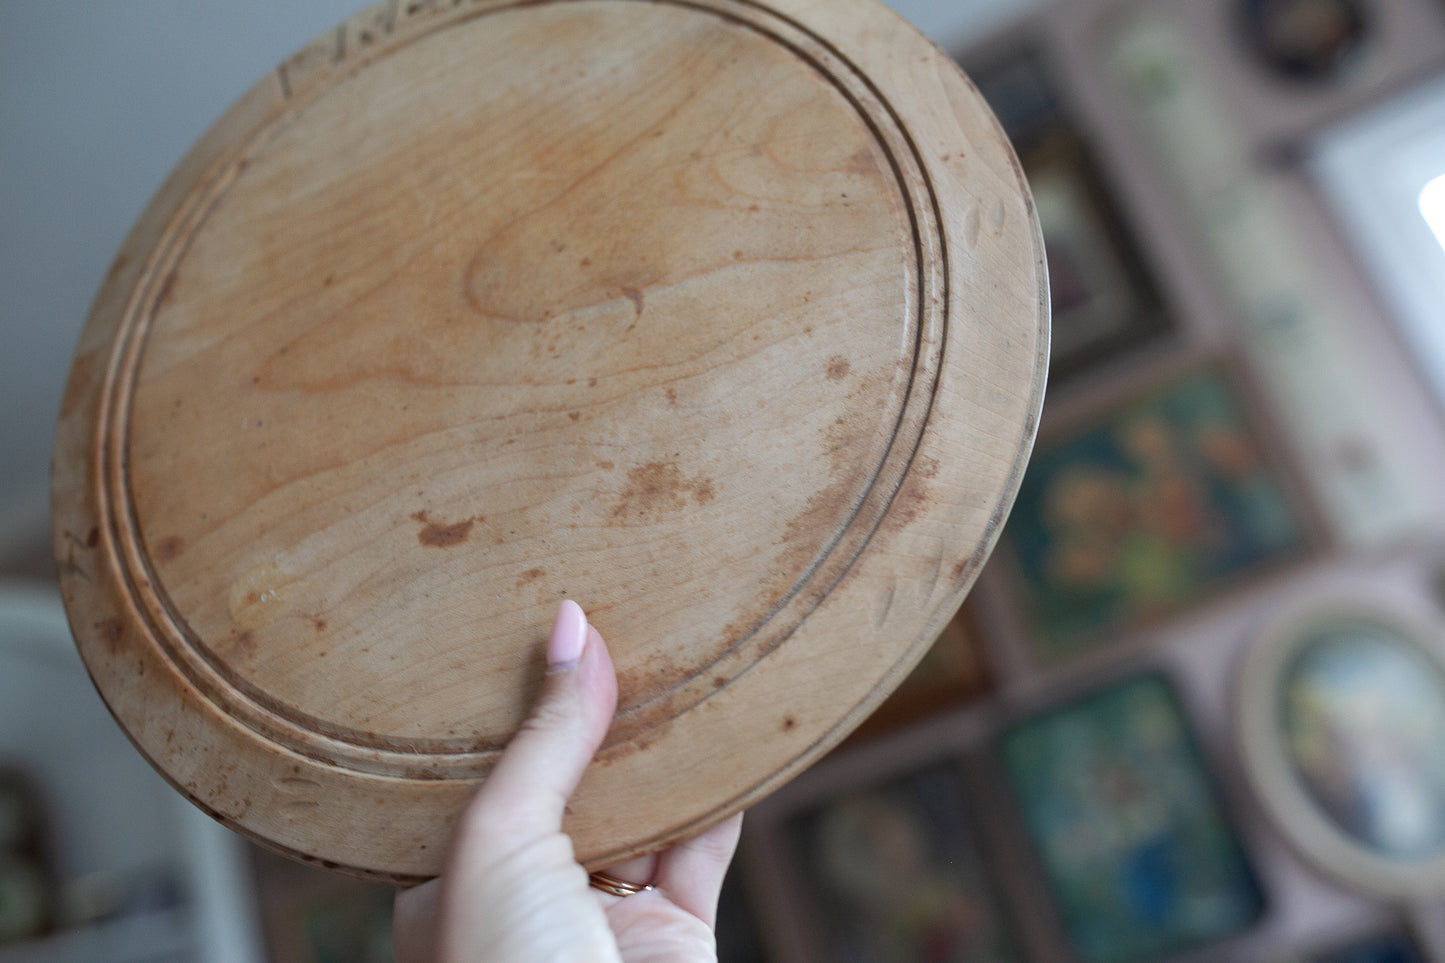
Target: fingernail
{"x":569,"y":635}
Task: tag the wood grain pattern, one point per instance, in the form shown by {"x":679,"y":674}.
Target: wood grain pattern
{"x":726,"y":320}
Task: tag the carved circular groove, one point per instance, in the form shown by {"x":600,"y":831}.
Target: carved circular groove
{"x":686,"y":310}
{"x":858,"y":506}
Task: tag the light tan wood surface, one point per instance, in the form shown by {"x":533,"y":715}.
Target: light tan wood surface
{"x":728,"y":321}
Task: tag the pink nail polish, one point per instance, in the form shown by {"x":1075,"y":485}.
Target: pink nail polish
{"x":569,"y":635}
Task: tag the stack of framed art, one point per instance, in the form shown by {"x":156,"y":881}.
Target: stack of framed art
{"x":1092,"y":829}
{"x":1184,"y":716}
{"x":1092,"y":824}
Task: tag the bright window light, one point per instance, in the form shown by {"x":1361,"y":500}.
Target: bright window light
{"x":1383,"y":173}
{"x":1432,"y":206}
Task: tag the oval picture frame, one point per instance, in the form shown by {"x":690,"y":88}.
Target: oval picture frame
{"x":1315,"y":670}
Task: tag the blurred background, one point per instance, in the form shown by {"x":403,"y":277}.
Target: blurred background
{"x":1195,"y":709}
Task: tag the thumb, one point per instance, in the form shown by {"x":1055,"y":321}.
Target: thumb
{"x":527,"y":791}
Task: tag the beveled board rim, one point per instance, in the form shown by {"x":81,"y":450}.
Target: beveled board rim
{"x":91,"y":545}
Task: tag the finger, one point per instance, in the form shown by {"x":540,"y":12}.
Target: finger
{"x":414,"y":923}
{"x":639,"y":871}
{"x":691,"y":873}
{"x":526,"y":794}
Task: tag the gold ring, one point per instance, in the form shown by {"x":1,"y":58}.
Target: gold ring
{"x":616,"y":887}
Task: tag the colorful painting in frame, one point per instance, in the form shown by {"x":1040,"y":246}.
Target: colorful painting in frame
{"x":1167,"y":498}
{"x":1102,"y":296}
{"x":1391,"y":946}
{"x":1342,"y":720}
{"x":1129,"y":826}
{"x":895,"y":874}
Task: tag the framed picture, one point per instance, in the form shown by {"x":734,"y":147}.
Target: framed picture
{"x":953,"y":672}
{"x":893,"y":873}
{"x":1342,"y":716}
{"x":1306,"y":40}
{"x":1102,"y":295}
{"x":1129,"y":826}
{"x":1158,"y":503}
{"x":313,"y":916}
{"x":1391,"y":943}
{"x":1388,"y":946}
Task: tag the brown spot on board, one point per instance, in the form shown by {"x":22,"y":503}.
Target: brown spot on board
{"x":620,"y":746}
{"x":635,"y":296}
{"x":318,"y":623}
{"x":908,"y":505}
{"x":575,"y":415}
{"x":243,"y":647}
{"x":671,"y":393}
{"x":925,"y":467}
{"x":442,"y":534}
{"x":838,"y":368}
{"x":111,"y":633}
{"x":530,"y":575}
{"x":864,"y":160}
{"x":789,"y":723}
{"x":169,"y":547}
{"x":658,"y":488}
{"x":641,"y":690}
{"x":606,"y":465}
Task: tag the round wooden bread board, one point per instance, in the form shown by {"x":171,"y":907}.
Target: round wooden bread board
{"x":726,"y":319}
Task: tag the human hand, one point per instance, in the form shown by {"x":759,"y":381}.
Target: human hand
{"x":511,"y":890}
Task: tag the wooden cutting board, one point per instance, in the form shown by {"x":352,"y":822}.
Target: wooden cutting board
{"x":726,"y":319}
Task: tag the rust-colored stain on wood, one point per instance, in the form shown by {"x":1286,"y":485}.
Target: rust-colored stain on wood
{"x":169,"y":547}
{"x":657,"y":488}
{"x":440,"y":534}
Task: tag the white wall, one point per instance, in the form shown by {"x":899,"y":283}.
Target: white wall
{"x":97,"y":102}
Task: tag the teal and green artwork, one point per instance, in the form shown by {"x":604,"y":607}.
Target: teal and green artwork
{"x":1139,"y":853}
{"x":1166,"y":499}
